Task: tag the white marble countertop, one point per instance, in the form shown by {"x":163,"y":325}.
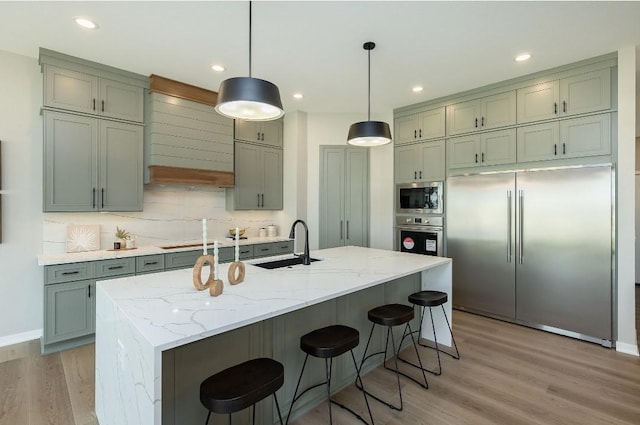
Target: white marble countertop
{"x":77,"y":257}
{"x":167,"y":311}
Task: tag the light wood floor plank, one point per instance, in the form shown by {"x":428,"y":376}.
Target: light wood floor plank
{"x":49,"y":402}
{"x":13,"y":392}
{"x":79,"y":370}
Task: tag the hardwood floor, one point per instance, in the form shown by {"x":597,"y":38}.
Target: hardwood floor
{"x":508,"y":374}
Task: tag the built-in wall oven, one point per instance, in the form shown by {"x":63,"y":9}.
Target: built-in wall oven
{"x":419,"y":198}
{"x":420,"y":234}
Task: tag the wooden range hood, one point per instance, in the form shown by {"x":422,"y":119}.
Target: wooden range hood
{"x":167,"y":173}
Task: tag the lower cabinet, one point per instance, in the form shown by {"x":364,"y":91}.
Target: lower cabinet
{"x":69,"y":310}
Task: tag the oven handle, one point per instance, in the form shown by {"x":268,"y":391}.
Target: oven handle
{"x":435,"y":229}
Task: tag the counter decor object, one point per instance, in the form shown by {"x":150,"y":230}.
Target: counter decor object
{"x":83,"y":237}
{"x":262,"y":233}
{"x":272,"y":231}
{"x":123,"y":236}
{"x":236,"y":269}
{"x":213,"y":283}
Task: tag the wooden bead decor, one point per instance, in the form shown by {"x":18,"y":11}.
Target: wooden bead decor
{"x":236,"y":272}
{"x":215,"y":286}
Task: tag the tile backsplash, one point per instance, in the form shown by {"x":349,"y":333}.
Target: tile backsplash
{"x":171,"y":215}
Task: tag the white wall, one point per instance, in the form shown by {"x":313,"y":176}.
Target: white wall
{"x":331,"y":129}
{"x":21,"y":134}
{"x":626,"y":201}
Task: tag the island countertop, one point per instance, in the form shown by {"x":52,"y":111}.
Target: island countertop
{"x":167,"y":311}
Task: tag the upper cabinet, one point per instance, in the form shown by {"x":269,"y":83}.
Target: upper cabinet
{"x":258,"y":178}
{"x":263,"y":132}
{"x":420,"y":162}
{"x":486,"y":113}
{"x":82,"y":92}
{"x":578,"y":94}
{"x":477,"y":150}
{"x":415,"y":127}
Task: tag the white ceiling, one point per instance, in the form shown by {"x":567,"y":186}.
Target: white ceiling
{"x":316,"y":47}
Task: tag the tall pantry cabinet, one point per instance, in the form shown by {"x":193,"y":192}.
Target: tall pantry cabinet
{"x":344,"y":196}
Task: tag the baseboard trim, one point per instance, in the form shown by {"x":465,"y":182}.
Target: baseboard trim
{"x":623,"y":347}
{"x":19,"y":338}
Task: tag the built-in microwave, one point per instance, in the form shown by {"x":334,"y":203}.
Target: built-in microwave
{"x":420,"y":197}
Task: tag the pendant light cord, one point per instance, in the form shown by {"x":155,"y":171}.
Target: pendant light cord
{"x":250,"y":4}
{"x":369,"y":89}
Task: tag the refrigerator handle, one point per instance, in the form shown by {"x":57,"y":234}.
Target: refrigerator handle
{"x":508,"y":226}
{"x":521,"y":227}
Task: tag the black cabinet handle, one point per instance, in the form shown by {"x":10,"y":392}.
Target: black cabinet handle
{"x":347,"y":229}
{"x":94,"y":103}
{"x":420,"y":133}
{"x":89,"y":291}
{"x":258,"y":135}
{"x":103,"y":106}
{"x":476,"y":122}
{"x":258,"y":200}
{"x":102,"y":197}
{"x":415,"y":134}
{"x":415,"y":175}
{"x":555,"y":107}
{"x":482,"y":156}
{"x":263,"y":200}
{"x":564,"y":148}
{"x":476,"y":158}
{"x":264,"y":249}
{"x":555,"y":149}
{"x":482,"y":122}
{"x":263,"y":137}
{"x":115,"y":267}
{"x":564,"y":106}
{"x":244,"y":252}
{"x":421,"y":174}
{"x":150,"y":263}
{"x":93,"y":198}
{"x":70,"y":273}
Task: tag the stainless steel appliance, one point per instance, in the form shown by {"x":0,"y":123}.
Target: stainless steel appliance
{"x":420,"y":234}
{"x":419,"y":198}
{"x":535,"y":247}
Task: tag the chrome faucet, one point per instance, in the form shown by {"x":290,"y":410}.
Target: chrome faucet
{"x":306,"y":259}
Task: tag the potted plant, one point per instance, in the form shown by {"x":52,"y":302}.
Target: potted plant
{"x":123,"y":235}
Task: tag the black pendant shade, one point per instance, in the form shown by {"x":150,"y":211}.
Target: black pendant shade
{"x":369,"y":133}
{"x":249,"y":98}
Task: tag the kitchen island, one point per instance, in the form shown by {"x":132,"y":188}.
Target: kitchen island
{"x":157,"y":337}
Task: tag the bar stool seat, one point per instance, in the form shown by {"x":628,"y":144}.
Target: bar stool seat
{"x":327,"y":343}
{"x":430,"y":299}
{"x":391,"y":315}
{"x":241,"y":386}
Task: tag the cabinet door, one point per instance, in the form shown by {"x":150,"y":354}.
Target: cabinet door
{"x":406,"y":129}
{"x":270,"y":133}
{"x":431,"y":156}
{"x":68,"y":310}
{"x":357,"y":197}
{"x":588,"y":136}
{"x":538,"y":142}
{"x":246,"y":130}
{"x":332,"y":191}
{"x":70,"y":90}
{"x":463,"y":117}
{"x":586,"y":92}
{"x":406,"y":170}
{"x":70,"y":165}
{"x":539,"y":102}
{"x":432,"y":124}
{"x":271,"y":194}
{"x":120,"y":100}
{"x":463,"y":152}
{"x":498,"y":110}
{"x":498,"y":147}
{"x":247,"y":177}
{"x":121,"y":161}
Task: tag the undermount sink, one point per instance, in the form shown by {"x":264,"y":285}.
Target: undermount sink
{"x":287,"y":262}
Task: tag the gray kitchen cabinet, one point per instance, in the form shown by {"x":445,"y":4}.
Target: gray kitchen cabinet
{"x":344,"y":196}
{"x":485,"y":149}
{"x":284,"y":247}
{"x":150,"y":264}
{"x":579,"y":94}
{"x":78,"y":91}
{"x":263,"y":250}
{"x":68,"y":311}
{"x":258,"y":177}
{"x":420,"y":162}
{"x":91,"y":164}
{"x":263,"y":132}
{"x":485,"y":113}
{"x":182,"y":259}
{"x":572,"y":138}
{"x":419,"y":126}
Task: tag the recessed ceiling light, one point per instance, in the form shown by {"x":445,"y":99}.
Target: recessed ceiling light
{"x":86,"y":23}
{"x":298,"y":95}
{"x":523,"y":57}
{"x":217,"y":68}
{"x":417,"y":89}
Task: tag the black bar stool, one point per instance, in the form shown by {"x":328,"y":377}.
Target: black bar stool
{"x":241,"y":386}
{"x":391,"y":315}
{"x":430,"y":299}
{"x":327,"y":343}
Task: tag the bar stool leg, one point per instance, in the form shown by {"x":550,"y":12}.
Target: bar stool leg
{"x":457,"y":356}
{"x":208,"y":416}
{"x":304,"y":364}
{"x":328,"y":364}
{"x":278,"y":408}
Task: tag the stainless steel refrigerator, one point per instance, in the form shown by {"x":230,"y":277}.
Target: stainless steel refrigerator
{"x":535,"y":247}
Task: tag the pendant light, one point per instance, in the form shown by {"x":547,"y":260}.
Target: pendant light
{"x":248,"y":98}
{"x":369,"y":133}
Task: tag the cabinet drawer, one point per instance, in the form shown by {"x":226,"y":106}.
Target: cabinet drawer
{"x":263,"y":250}
{"x":181,"y":260}
{"x":115,"y":267}
{"x":226,"y":254}
{"x":246,"y":251}
{"x":284,"y":247}
{"x":149,"y":263}
{"x":68,"y":272}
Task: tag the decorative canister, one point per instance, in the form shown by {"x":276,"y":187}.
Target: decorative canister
{"x":262,"y":232}
{"x":272,"y":231}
